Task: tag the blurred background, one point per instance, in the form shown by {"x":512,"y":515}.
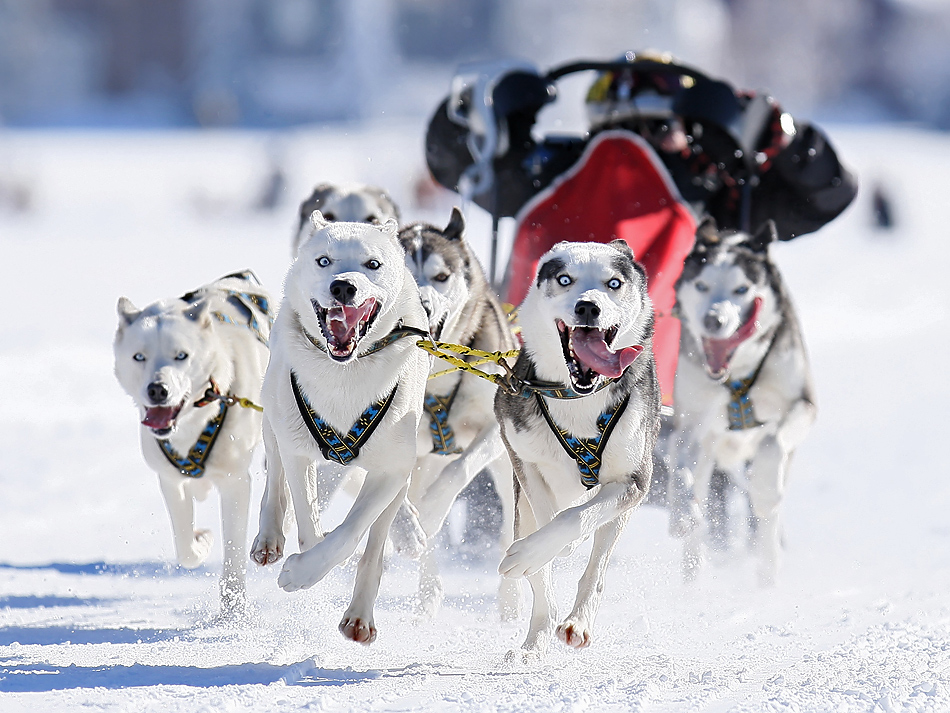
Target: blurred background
{"x":280,"y":63}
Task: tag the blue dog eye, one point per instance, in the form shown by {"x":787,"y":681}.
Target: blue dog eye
{"x":564,"y":280}
{"x":701,"y":287}
{"x":613,"y":283}
{"x":323,"y":261}
{"x":181,"y":356}
{"x":741,"y":290}
{"x":138,"y":356}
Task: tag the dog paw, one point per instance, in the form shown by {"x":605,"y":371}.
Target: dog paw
{"x":430,"y":598}
{"x":303,"y":571}
{"x":407,"y":535}
{"x":362,"y":631}
{"x":528,"y":555}
{"x":267,"y":550}
{"x":524,"y":658}
{"x":198,"y":551}
{"x":574,"y":633}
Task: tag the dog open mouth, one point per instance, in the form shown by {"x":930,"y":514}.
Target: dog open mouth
{"x":344,"y":326}
{"x":162,"y":419}
{"x":589,"y":356}
{"x":719,"y":352}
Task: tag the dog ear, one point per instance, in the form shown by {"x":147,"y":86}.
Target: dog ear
{"x":200,"y":313}
{"x":127,"y":311}
{"x":622,"y":246}
{"x":707,"y":233}
{"x":456,"y":226}
{"x":764,"y":236}
{"x":391,"y":226}
{"x":318,"y":221}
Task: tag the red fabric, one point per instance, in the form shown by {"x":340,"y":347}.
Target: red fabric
{"x":618,"y":189}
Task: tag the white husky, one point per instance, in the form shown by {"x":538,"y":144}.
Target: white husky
{"x":187,"y":363}
{"x":345,"y":385}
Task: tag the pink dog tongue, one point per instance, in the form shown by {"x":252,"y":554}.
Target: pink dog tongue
{"x":343,"y":321}
{"x":159,"y":417}
{"x":593,"y":353}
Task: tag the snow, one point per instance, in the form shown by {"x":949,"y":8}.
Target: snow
{"x":95,"y":616}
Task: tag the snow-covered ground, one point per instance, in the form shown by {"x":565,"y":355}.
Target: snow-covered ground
{"x":93,"y":616}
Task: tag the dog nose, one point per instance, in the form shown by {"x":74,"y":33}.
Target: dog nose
{"x":343,"y":291}
{"x":157,"y":392}
{"x":713,"y":321}
{"x":586,"y":311}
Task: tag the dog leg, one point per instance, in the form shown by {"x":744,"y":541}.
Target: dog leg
{"x":358,"y":623}
{"x":407,"y":534}
{"x":268,"y":546}
{"x":766,"y":488}
{"x":302,"y":476}
{"x":303,"y":570}
{"x":543,"y":603}
{"x":191,"y":546}
{"x":435,"y":504}
{"x":235,"y":503}
{"x":527,"y":555}
{"x":576,"y":630}
{"x":509,"y":590}
{"x":431,"y":589}
{"x":696,"y":537}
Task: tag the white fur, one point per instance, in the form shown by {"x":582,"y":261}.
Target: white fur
{"x":234,"y":357}
{"x":340,"y":392}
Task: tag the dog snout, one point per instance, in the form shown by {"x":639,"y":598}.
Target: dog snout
{"x":343,"y":291}
{"x":587,"y":312}
{"x":157,"y":392}
{"x":713,"y":321}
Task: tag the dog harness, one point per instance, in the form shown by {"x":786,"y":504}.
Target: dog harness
{"x":334,"y":446}
{"x":193,"y":465}
{"x":245,"y":302}
{"x":739,"y":411}
{"x":438,"y":408}
{"x":586,"y":452}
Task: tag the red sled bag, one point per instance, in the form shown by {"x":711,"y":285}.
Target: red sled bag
{"x":618,"y":189}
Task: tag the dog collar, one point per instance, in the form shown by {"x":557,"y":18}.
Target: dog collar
{"x":399,"y":332}
{"x":193,"y":464}
{"x":438,"y":408}
{"x":586,"y":452}
{"x":334,"y":446}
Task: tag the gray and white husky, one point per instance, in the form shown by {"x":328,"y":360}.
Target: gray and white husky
{"x":459,"y":434}
{"x":581,"y":435}
{"x":345,"y":386}
{"x":743,"y":396}
{"x":349,"y":204}
{"x":184,"y":362}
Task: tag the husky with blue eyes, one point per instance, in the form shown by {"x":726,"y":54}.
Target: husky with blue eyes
{"x":344,"y":388}
{"x":744,"y":398}
{"x":189,"y":364}
{"x":580,"y":432}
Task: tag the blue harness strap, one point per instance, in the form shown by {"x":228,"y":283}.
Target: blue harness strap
{"x":334,"y":446}
{"x":586,"y":452}
{"x":193,"y":464}
{"x":739,"y":410}
{"x":438,"y":408}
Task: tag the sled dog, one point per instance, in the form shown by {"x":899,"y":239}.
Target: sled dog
{"x":193,"y":365}
{"x":344,"y":386}
{"x":459,"y":434}
{"x":352,"y":204}
{"x":581,"y":432}
{"x":743,"y":396}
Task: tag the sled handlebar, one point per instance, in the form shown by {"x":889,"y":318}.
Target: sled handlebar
{"x":641,"y":65}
